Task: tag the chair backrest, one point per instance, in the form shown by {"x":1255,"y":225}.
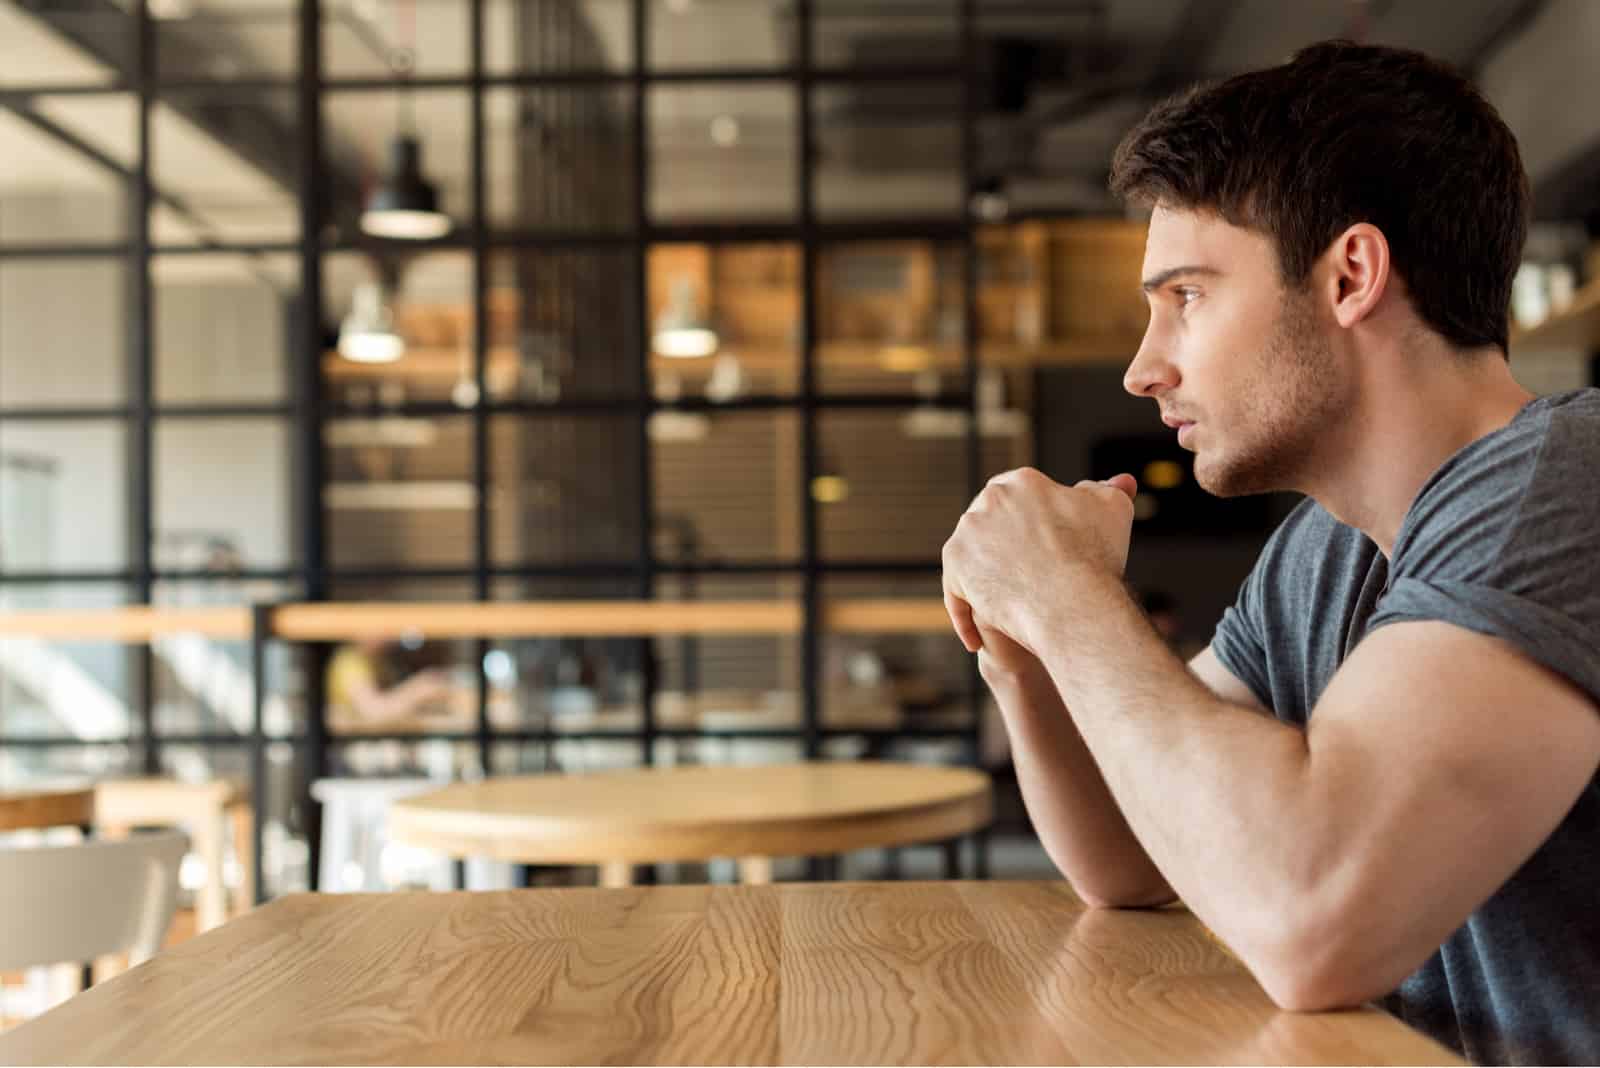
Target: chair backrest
{"x":85,"y":900}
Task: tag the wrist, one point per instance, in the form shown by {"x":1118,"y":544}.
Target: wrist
{"x":998,"y":673}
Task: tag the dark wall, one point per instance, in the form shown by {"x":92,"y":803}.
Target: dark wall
{"x":1076,"y":407}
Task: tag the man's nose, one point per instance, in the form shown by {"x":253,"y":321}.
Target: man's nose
{"x":1151,"y":373}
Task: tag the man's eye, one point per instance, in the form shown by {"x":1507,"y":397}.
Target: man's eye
{"x":1186,"y":295}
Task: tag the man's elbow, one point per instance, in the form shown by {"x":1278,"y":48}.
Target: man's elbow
{"x":1107,"y":896}
{"x":1320,"y":972}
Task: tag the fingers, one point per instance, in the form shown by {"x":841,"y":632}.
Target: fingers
{"x":961,"y":618}
{"x":1126,"y":483}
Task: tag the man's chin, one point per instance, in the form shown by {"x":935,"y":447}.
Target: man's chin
{"x":1223,"y":480}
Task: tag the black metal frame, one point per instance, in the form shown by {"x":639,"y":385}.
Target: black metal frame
{"x":309,"y":406}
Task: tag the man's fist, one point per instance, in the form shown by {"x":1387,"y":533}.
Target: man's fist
{"x":1021,"y":532}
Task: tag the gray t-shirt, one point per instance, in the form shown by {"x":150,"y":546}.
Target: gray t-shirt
{"x":1503,"y":539}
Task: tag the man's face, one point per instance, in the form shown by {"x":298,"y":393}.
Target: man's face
{"x":1236,"y":361}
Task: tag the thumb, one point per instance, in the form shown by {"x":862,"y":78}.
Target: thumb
{"x":1126,"y":483}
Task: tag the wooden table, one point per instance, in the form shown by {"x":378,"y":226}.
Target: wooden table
{"x":642,"y":815}
{"x":833,"y":973}
{"x":46,"y":807}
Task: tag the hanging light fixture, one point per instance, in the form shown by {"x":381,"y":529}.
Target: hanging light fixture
{"x":367,"y":334}
{"x":682,"y":332}
{"x":405,"y":206}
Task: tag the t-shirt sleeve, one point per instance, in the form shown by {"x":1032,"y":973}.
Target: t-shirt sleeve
{"x":1511,"y":555}
{"x":1239,"y":642}
{"x":1549,"y":634}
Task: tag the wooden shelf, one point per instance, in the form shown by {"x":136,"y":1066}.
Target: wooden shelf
{"x":328,"y":621}
{"x":1575,"y":327}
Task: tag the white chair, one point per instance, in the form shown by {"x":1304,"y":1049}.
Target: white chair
{"x":89,"y":899}
{"x":358,"y":855}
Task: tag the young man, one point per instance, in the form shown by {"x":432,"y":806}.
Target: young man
{"x":1379,"y":781}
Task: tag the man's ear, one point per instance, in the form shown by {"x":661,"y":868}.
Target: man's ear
{"x":1357,"y":273}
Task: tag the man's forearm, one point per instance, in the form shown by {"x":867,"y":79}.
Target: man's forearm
{"x":1216,"y":794}
{"x":1077,"y":819}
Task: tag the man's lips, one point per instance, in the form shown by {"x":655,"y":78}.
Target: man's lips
{"x":1174,"y":422}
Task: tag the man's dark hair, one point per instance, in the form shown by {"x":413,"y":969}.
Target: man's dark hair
{"x":1346,"y":133}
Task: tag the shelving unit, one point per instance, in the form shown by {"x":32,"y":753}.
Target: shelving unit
{"x":1049,"y":293}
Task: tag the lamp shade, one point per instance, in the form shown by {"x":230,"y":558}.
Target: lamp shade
{"x":681,"y":331}
{"x":406,"y":205}
{"x":367,"y":334}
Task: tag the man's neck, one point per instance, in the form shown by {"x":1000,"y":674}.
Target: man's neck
{"x":1412,"y":416}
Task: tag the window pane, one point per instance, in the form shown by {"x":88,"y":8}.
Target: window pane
{"x":398,"y":681}
{"x":749,"y":296}
{"x":893,"y":486}
{"x":557,"y":36}
{"x":224,"y":39}
{"x":64,"y":505}
{"x":400,"y":493}
{"x":560,"y":159}
{"x":53,"y":193}
{"x":726,"y":487}
{"x":891,"y":318}
{"x":562,"y":326}
{"x":719,"y":683}
{"x":723,"y":153}
{"x":571,"y":683}
{"x":706,"y":35}
{"x":888,"y":151}
{"x":64,"y":44}
{"x":203,"y":684}
{"x":427,"y":302}
{"x":361,"y":40}
{"x":910,"y":677}
{"x":227,"y":168}
{"x":54,"y":689}
{"x":360,"y":128}
{"x":895,"y":33}
{"x":63,"y":333}
{"x":221,"y":327}
{"x":221,"y":488}
{"x":565,"y":489}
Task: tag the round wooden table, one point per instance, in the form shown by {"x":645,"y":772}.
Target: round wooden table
{"x":752,"y":813}
{"x":46,"y":807}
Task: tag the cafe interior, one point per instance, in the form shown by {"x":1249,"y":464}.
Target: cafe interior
{"x":502,"y":449}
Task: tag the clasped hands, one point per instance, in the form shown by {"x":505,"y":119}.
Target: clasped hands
{"x":1024,"y":542}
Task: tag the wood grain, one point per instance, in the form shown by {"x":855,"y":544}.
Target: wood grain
{"x":696,"y":813}
{"x":34,"y":809}
{"x":932,"y":973}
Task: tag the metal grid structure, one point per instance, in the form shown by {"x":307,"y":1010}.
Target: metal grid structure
{"x":308,"y":406}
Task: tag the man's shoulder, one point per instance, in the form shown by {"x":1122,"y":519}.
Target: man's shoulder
{"x":1521,"y":480}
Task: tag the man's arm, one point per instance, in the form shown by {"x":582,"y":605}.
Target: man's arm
{"x":1334,"y":860}
{"x":1078,"y":821}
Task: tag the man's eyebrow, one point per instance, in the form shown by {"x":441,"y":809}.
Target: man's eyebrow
{"x":1156,"y":281}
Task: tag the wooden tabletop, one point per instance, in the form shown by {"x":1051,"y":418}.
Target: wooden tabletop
{"x":46,"y":807}
{"x":903,"y":973}
{"x":696,"y":813}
